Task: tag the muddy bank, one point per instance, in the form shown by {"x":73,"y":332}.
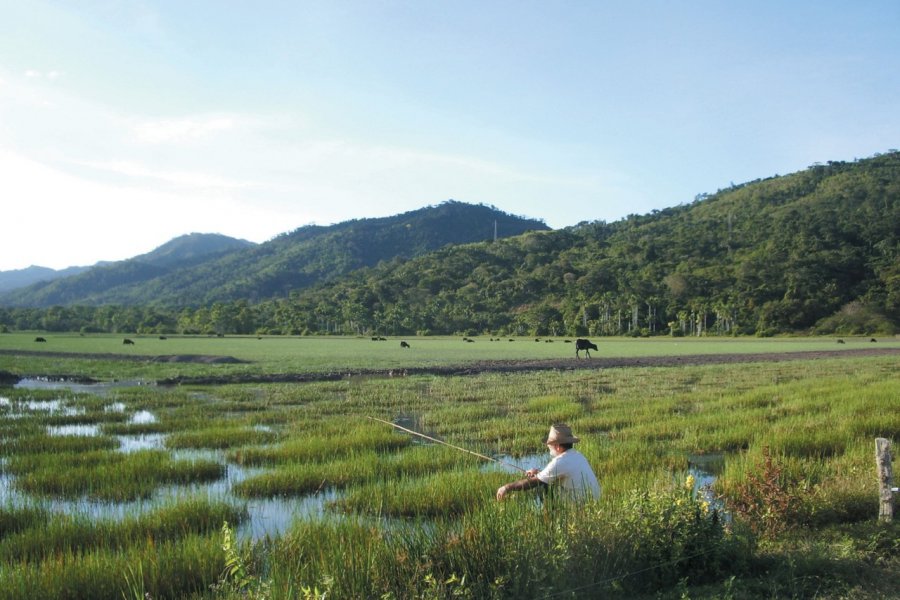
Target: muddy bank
{"x":522,"y":366}
{"x":7,"y":378}
{"x":208,"y":359}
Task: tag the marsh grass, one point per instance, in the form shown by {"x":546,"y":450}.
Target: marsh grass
{"x":219,"y":438}
{"x":43,"y":443}
{"x":295,"y":479}
{"x":515,"y":549}
{"x":172,"y":546}
{"x":638,"y":426}
{"x":135,"y":428}
{"x":441,"y":494}
{"x":330,"y":438}
{"x":106,"y":476}
{"x":16,"y":518}
{"x":180,"y":568}
{"x":62,"y":533}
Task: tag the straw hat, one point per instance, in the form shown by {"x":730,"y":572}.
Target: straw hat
{"x":560,"y":434}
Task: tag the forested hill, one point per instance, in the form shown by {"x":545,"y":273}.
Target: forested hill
{"x":818,"y":248}
{"x":184,"y":274}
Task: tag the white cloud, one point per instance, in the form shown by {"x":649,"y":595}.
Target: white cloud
{"x":59,"y":220}
{"x":184,"y":129}
{"x":190,"y":180}
{"x":35,"y":74}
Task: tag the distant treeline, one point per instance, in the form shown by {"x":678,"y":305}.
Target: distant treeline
{"x":816,"y":251}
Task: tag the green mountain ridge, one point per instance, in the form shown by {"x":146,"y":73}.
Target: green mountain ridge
{"x":818,"y":248}
{"x":813,"y":251}
{"x":198,"y":269}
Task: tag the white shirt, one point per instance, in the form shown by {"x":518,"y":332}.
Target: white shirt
{"x":571,"y":472}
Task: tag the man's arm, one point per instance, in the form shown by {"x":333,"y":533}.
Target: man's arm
{"x":516,"y":486}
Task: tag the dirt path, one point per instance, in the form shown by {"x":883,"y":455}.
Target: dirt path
{"x":166,"y":358}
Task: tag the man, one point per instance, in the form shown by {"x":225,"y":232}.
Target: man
{"x":568,"y":470}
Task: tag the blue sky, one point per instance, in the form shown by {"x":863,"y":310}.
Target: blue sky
{"x":125,"y":124}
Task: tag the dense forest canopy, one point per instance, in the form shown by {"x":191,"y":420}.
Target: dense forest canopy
{"x":199,"y":270}
{"x":815,"y":251}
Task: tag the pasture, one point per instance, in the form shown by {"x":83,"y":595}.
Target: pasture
{"x":108,"y":358}
{"x":120,"y":491}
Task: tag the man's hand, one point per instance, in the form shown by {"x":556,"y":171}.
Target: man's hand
{"x":501,"y":492}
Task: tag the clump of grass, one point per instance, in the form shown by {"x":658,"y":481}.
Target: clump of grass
{"x":337,"y":440}
{"x":63,"y":533}
{"x":437,"y":495}
{"x":296,"y":479}
{"x":515,"y":549}
{"x":108,"y":476}
{"x":181,"y":568}
{"x":554,"y":408}
{"x":14,"y":519}
{"x":219,"y":438}
{"x":41,"y":443}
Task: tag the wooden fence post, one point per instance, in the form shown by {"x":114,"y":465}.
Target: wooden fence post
{"x":885,"y":479}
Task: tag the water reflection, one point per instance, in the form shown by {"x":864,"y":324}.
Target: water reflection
{"x":145,"y":441}
{"x":705,"y":469}
{"x":51,"y":407}
{"x":517,"y":464}
{"x":142,"y":417}
{"x":98,"y":388}
{"x":80,"y":430}
{"x":267,"y":516}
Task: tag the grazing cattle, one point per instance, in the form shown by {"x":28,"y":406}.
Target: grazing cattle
{"x":404,"y":345}
{"x":162,"y":337}
{"x":586,"y":345}
{"x":39,"y":339}
{"x":840,"y":341}
{"x":873,"y":340}
{"x":128,"y":342}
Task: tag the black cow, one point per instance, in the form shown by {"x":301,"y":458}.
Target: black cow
{"x":586,"y":345}
{"x":404,"y":345}
{"x":39,"y":339}
{"x":128,"y":342}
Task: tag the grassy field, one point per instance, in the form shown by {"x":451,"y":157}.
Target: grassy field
{"x":334,"y":354}
{"x":791,"y":512}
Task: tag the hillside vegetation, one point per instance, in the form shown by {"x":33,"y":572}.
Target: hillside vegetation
{"x":817,"y":250}
{"x":198,"y":270}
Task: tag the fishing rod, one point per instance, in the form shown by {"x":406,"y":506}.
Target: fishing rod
{"x":437,"y":441}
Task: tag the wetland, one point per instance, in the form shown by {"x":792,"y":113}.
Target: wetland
{"x":131,"y":475}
